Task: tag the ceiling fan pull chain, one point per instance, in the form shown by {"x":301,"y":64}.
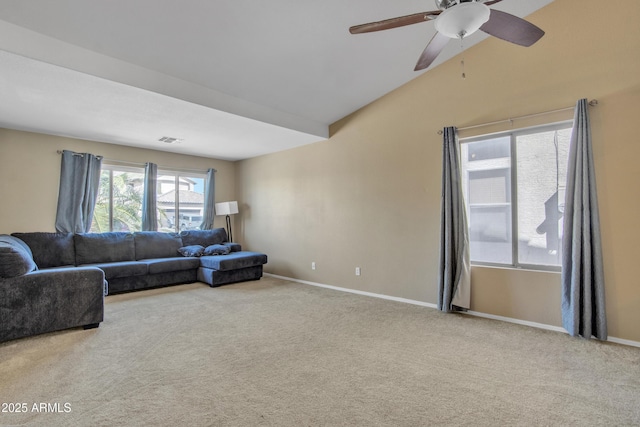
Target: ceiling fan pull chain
{"x":464,"y":76}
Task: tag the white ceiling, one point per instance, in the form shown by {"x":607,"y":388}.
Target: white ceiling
{"x":233,"y":78}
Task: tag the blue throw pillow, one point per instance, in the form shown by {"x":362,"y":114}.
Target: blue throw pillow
{"x":191,"y":250}
{"x":217,"y":250}
{"x":14,"y":259}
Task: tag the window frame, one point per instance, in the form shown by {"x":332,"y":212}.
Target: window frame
{"x":177,"y":174}
{"x":513,"y":137}
{"x":112,"y":167}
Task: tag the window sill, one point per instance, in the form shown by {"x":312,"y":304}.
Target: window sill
{"x":514,"y":268}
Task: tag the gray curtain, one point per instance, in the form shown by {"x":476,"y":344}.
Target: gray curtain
{"x":79,"y":183}
{"x":454,"y":289}
{"x":209,"y":201}
{"x":149,"y":200}
{"x":583,"y":302}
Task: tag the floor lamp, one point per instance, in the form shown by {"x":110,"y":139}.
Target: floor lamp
{"x":227,"y":208}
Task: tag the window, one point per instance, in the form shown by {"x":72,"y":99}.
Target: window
{"x":514,"y":184}
{"x":119,"y":203}
{"x":182,"y":209}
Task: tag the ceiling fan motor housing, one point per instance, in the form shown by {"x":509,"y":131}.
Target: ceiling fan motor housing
{"x":446,"y":4}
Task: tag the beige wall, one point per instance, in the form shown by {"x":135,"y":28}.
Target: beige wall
{"x":370,"y":195}
{"x":30,"y":175}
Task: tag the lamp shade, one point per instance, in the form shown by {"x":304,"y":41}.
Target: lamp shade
{"x":462,"y":20}
{"x":227,"y":208}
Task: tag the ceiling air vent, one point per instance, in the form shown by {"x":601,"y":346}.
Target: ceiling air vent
{"x":169,"y":140}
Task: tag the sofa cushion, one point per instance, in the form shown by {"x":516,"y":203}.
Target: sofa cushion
{"x":233,"y":261}
{"x":15,"y":260}
{"x":155,"y":244}
{"x":192,"y":250}
{"x":216,"y":250}
{"x":92,"y":248}
{"x":50,"y":249}
{"x":168,"y":265}
{"x":204,"y":238}
{"x":114,"y":270}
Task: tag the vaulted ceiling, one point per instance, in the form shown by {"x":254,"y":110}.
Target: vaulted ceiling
{"x":230,"y":79}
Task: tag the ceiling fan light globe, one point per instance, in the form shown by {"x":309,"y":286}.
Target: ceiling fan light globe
{"x":462,"y":20}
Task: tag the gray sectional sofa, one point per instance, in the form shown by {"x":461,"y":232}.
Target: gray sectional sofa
{"x":53,"y":281}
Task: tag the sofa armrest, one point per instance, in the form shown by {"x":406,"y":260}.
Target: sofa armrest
{"x":234,"y":247}
{"x":50,"y":300}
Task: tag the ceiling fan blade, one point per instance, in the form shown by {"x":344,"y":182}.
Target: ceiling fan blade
{"x":511,"y":28}
{"x":433,"y":49}
{"x":489,"y":3}
{"x":400,"y":21}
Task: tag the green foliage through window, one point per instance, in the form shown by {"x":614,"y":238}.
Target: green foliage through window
{"x":119,"y":203}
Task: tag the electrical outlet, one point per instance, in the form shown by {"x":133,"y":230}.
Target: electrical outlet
{"x":357,"y":271}
{"x":313,"y":265}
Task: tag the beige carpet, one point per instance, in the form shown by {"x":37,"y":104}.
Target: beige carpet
{"x":276,"y":353}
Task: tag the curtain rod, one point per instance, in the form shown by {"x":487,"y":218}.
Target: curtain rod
{"x":592,"y":103}
{"x":73,"y":153}
{"x":126,"y":163}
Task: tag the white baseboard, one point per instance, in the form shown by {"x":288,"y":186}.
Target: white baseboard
{"x":426,"y":304}
{"x":624,"y":342}
{"x":354,"y":291}
{"x":518,"y":321}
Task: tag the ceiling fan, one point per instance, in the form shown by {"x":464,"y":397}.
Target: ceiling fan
{"x":457,"y":19}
